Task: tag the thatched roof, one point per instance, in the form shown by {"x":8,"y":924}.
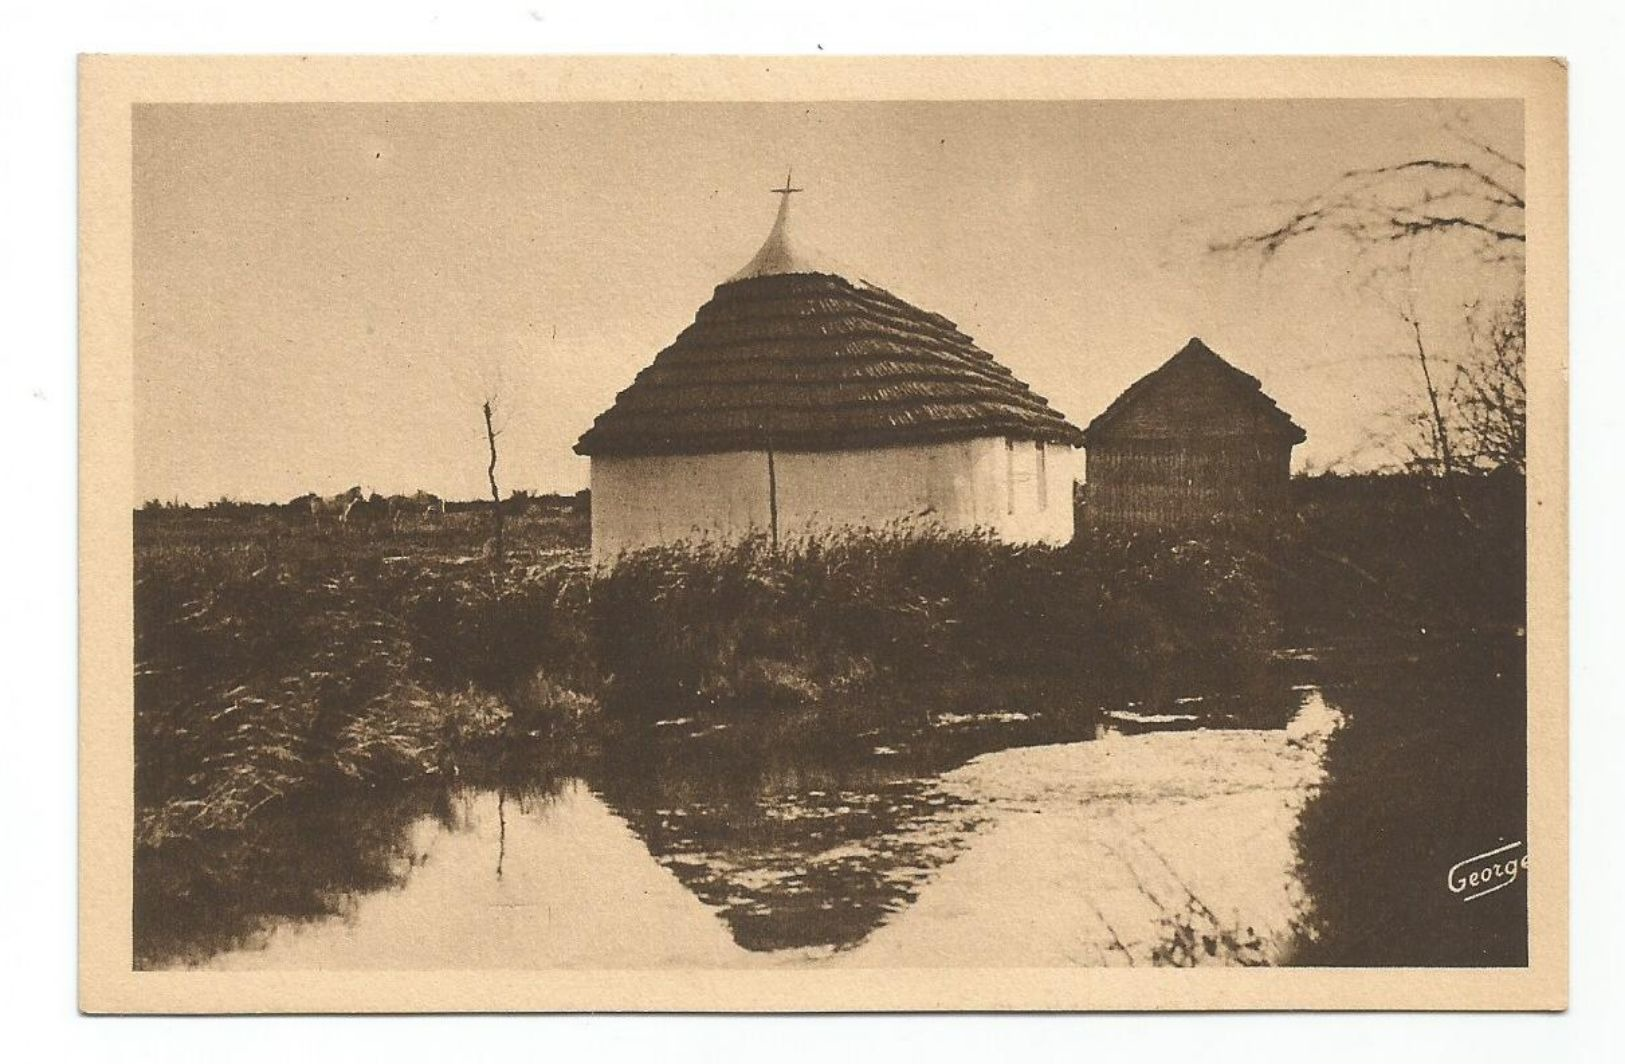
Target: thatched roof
{"x":811,"y":361}
{"x":1196,"y":365}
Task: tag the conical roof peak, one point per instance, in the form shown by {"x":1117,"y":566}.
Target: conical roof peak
{"x":1194,"y":347}
{"x":783,"y":252}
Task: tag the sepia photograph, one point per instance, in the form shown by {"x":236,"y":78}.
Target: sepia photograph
{"x":794,"y":539}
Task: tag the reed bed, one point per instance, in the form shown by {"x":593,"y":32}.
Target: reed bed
{"x":260,"y":675}
{"x":747,"y":624}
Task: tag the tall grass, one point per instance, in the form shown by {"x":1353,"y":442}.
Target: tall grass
{"x":257,"y":679}
{"x":254,"y":682}
{"x":750,"y":624}
{"x":306,"y":681}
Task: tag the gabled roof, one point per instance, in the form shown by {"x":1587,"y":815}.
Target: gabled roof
{"x":812,"y":361}
{"x":1193,"y":360}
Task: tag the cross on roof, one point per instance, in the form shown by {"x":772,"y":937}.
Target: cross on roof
{"x":786,"y":190}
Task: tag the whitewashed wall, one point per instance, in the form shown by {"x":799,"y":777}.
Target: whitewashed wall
{"x":959,"y":486}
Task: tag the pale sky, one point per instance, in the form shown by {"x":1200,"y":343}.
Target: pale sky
{"x":325,"y":294}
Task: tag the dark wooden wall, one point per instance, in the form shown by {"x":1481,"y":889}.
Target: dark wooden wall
{"x":1179,"y":480}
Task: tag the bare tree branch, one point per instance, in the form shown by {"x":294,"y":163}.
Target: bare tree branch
{"x":1473,"y":415}
{"x":1385,"y":204}
{"x":1459,"y":129}
{"x":1441,"y":429}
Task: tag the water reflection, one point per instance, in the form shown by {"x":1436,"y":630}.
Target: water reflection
{"x":783,"y":838}
{"x":196,"y":897}
{"x":314,"y":860}
{"x":788,"y":867}
{"x":811,"y":830}
{"x":576,"y":890}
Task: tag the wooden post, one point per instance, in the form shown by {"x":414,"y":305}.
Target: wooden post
{"x":772,"y":493}
{"x":491,"y":475}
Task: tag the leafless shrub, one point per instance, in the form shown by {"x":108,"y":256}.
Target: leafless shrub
{"x":1470,"y":413}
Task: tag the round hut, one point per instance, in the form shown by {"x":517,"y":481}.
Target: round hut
{"x":801,"y":402}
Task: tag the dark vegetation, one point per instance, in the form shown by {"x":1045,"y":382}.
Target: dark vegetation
{"x":1430,"y":769}
{"x":750,"y":626}
{"x":1416,"y":588}
{"x":1371,"y":555}
{"x":1431,"y":759}
{"x":286,"y":672}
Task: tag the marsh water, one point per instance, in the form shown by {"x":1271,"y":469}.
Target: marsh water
{"x":1016,"y":829}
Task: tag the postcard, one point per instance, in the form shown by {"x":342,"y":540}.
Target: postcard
{"x":823,"y":534}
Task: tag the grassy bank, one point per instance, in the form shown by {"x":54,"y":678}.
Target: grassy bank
{"x":279,"y":672}
{"x":274,"y":672}
{"x":1416,"y":587}
{"x":1429,"y":769}
{"x":259,"y":675}
{"x":751,"y":625}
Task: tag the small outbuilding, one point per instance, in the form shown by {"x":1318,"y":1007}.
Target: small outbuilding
{"x":802,"y":402}
{"x":1194,"y":441}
